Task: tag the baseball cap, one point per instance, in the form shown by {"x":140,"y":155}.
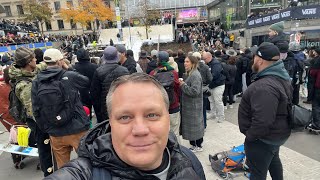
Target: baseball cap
{"x":52,"y":55}
{"x":268,"y":51}
{"x":154,"y":53}
{"x":110,"y":55}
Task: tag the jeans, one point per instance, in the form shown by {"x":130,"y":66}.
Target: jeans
{"x":44,"y":150}
{"x":197,"y":143}
{"x":205,"y":105}
{"x":262,"y":157}
{"x":216,"y":104}
{"x":228,"y":95}
{"x":316,"y":113}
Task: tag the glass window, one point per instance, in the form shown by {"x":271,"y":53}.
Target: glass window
{"x":57,"y":5}
{"x":8,"y":11}
{"x":48,"y":26}
{"x":20,"y":9}
{"x":72,"y":24}
{"x":60,"y":24}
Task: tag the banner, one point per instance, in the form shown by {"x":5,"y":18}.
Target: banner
{"x":300,"y":12}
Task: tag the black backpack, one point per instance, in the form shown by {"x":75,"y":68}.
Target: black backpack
{"x":166,"y":79}
{"x":16,"y":108}
{"x":53,"y":103}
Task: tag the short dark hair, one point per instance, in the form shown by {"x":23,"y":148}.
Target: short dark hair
{"x":180,"y":53}
{"x":232,"y":60}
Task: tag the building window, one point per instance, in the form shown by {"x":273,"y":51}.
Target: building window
{"x":20,"y":9}
{"x":8,"y":11}
{"x":69,"y":3}
{"x":57,"y":6}
{"x":72,"y":24}
{"x":89,"y":26}
{"x":60,"y":24}
{"x":48,"y":26}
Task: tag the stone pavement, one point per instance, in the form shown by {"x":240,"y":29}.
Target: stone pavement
{"x":218,"y":137}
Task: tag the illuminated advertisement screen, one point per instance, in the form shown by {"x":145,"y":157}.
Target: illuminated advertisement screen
{"x":188,"y":14}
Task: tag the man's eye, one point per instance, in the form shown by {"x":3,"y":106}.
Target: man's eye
{"x":153,"y":116}
{"x":124,"y":118}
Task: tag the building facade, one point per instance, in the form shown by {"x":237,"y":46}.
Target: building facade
{"x":14,"y":12}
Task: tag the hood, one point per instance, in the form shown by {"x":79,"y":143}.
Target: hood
{"x":49,"y":73}
{"x":15,"y":72}
{"x":276,"y":69}
{"x":96,"y":145}
{"x":130,"y":61}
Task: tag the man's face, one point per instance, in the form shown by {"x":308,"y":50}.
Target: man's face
{"x":122,"y":57}
{"x":256,"y":64}
{"x":140,"y":125}
{"x":33,"y":63}
{"x":272,"y":33}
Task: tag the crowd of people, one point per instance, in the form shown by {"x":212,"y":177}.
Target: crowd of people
{"x":144,"y":107}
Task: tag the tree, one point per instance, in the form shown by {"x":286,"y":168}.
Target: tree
{"x":147,"y":13}
{"x":88,"y":11}
{"x":37,"y":11}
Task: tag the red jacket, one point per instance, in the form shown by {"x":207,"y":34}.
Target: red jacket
{"x":4,"y":105}
{"x":174,"y":107}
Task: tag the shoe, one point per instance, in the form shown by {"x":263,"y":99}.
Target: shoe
{"x":231,"y":106}
{"x":311,"y":126}
{"x":193,"y":149}
{"x":199,"y":149}
{"x":307,"y":102}
{"x":225,"y":107}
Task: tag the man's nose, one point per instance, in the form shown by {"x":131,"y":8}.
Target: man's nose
{"x":140,"y":127}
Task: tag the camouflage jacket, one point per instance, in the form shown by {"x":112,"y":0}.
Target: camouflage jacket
{"x":23,"y":88}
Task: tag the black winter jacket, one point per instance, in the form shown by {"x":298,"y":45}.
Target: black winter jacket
{"x":87,"y":69}
{"x":96,"y":150}
{"x":153,"y":64}
{"x":232,"y":73}
{"x":80,"y":121}
{"x":100,"y":85}
{"x":180,"y":62}
{"x":217,"y":73}
{"x":130,"y":64}
{"x":263,"y":111}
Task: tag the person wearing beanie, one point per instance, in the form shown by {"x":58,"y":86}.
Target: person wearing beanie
{"x":44,"y":104}
{"x":153,"y":62}
{"x":85,"y":68}
{"x":102,"y":79}
{"x":169,"y":75}
{"x":24,"y":66}
{"x":258,"y":113}
{"x":276,"y":35}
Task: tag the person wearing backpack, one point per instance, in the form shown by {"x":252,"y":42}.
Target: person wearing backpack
{"x":102,"y":80}
{"x":57,"y":107}
{"x":263,"y":114}
{"x":23,"y":70}
{"x":137,"y":142}
{"x":169,"y":78}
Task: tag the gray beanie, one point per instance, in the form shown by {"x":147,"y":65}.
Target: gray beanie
{"x":23,"y":56}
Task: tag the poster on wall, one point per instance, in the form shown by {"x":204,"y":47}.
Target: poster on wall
{"x":188,"y":14}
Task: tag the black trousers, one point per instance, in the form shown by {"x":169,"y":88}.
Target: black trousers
{"x":316,"y":112}
{"x":197,"y":143}
{"x":295,"y":94}
{"x":262,"y":157}
{"x":228,"y":94}
{"x":44,"y":150}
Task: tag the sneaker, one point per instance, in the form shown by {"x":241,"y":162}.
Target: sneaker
{"x":193,"y":148}
{"x":231,"y":106}
{"x":199,"y":149}
{"x":225,"y":107}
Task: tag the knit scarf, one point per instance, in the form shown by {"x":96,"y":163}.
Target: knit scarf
{"x":166,"y":66}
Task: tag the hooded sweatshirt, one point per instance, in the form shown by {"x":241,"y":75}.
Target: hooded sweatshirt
{"x":263,"y":111}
